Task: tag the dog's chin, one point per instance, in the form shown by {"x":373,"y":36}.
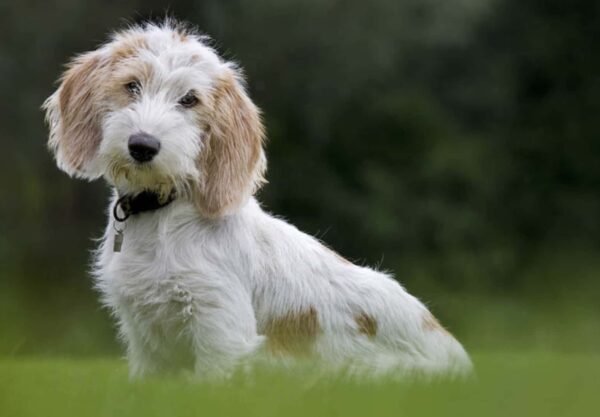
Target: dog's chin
{"x":133,"y":178}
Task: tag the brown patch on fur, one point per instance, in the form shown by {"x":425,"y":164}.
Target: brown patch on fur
{"x":128,"y":47}
{"x":78,"y":97}
{"x":366,"y":325}
{"x":293,"y":333}
{"x":123,"y":73}
{"x":125,"y":69}
{"x":232,"y":160}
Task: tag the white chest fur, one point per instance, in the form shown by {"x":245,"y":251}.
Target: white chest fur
{"x":156,"y":275}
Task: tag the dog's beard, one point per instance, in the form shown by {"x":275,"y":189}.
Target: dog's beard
{"x":132,"y":178}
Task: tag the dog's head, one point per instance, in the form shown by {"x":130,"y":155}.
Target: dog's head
{"x":156,"y":109}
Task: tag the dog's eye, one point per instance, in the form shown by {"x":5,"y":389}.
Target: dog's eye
{"x":133,"y":87}
{"x":189,"y":100}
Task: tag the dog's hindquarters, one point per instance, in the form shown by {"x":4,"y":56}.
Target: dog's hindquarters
{"x":349,"y":316}
{"x":380,"y":330}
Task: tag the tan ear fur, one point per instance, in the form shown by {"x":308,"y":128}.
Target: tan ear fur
{"x":73,"y":114}
{"x":232,"y":160}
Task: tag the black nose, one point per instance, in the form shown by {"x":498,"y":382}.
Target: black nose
{"x":143,"y":147}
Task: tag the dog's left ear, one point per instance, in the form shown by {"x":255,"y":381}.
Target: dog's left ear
{"x":232,"y":160}
{"x":73,"y":115}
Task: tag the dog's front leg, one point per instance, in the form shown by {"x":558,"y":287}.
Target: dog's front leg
{"x":223,"y":335}
{"x":143,"y":352}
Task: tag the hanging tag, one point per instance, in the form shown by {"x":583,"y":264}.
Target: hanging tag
{"x":118,"y":238}
{"x":123,"y":203}
{"x":118,"y":241}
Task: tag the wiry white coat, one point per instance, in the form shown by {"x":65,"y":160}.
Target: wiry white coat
{"x":188,"y":290}
{"x":191,"y":289}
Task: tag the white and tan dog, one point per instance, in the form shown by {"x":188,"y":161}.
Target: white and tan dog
{"x":196,"y":273}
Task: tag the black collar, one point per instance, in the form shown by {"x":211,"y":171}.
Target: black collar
{"x":147,"y":200}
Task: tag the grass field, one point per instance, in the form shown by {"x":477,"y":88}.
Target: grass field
{"x":518,"y":384}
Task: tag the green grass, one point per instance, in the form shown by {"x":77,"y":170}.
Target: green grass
{"x":518,"y":384}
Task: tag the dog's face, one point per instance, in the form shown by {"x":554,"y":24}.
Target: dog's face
{"x":157,"y":109}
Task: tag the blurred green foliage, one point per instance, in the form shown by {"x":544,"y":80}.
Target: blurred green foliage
{"x":454,"y":143}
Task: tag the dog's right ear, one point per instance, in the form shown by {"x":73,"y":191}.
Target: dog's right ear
{"x":73,"y":115}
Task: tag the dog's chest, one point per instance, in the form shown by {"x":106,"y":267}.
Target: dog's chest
{"x":150,"y":280}
{"x":165,"y":300}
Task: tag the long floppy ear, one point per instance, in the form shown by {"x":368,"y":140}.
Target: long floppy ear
{"x":73,"y":115}
{"x":232,"y":160}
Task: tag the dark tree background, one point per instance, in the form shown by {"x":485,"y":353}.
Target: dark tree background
{"x":455,"y":143}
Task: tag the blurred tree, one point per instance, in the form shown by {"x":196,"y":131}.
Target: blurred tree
{"x":457,"y":136}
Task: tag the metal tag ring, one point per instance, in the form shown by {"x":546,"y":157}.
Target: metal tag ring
{"x":116,"y":210}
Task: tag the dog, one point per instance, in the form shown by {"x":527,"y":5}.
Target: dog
{"x":198,"y":276}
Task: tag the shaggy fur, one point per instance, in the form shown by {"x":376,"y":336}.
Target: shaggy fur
{"x":211,"y":280}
